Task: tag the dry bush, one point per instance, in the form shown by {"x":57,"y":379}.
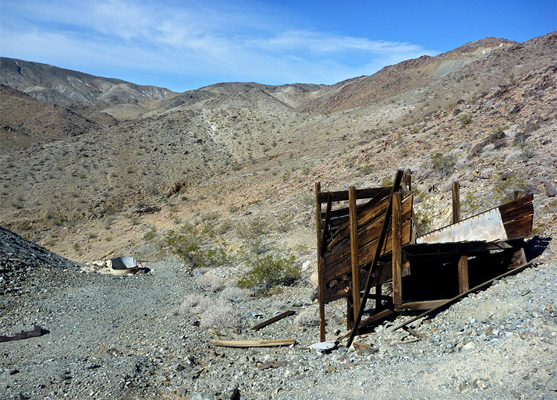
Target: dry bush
{"x":220,"y":315}
{"x":210,"y":283}
{"x":308,"y":317}
{"x":194,"y":304}
{"x":235,"y":294}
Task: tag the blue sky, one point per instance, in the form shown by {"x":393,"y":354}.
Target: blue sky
{"x":184,"y":45}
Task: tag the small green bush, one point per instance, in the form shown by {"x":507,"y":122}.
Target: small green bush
{"x":268,"y":270}
{"x":190,"y":246}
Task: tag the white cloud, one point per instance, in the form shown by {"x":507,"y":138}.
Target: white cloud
{"x":196,"y":42}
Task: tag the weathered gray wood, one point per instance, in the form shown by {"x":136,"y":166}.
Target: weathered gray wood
{"x":354,"y":250}
{"x":397,"y":248}
{"x":456,"y":202}
{"x":320,"y":279}
{"x":273,"y":320}
{"x":396,"y":185}
{"x":463,"y":281}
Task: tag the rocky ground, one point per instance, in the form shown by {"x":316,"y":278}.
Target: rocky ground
{"x":147,"y":336}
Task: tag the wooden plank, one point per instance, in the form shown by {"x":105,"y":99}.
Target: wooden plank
{"x":517,"y":212}
{"x":324,"y":229}
{"x":320,"y":261}
{"x":515,"y":203}
{"x":463,"y":281}
{"x":519,"y":228}
{"x":273,"y":320}
{"x":419,"y":305}
{"x":376,"y":317}
{"x":397,"y":248}
{"x":334,"y":269}
{"x":366,"y":234}
{"x":252,"y":343}
{"x":461,"y":295}
{"x":355,"y":262}
{"x":456,"y":201}
{"x":360,"y":194}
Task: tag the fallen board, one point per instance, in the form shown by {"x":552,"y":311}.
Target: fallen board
{"x":252,"y":343}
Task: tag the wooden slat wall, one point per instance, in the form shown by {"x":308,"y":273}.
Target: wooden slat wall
{"x":337,"y":258}
{"x":518,"y":217}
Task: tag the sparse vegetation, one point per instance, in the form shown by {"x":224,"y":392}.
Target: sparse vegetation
{"x":267,"y":270}
{"x":442,"y":164}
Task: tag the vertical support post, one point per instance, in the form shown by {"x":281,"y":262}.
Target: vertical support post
{"x":456,"y":202}
{"x":463,"y":284}
{"x":378,"y":293}
{"x":349,"y":313}
{"x":354,"y":256}
{"x":320,"y":261}
{"x":517,"y":194}
{"x":397,"y":248}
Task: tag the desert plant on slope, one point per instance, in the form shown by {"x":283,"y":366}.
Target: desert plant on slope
{"x":190,"y":245}
{"x":267,"y":270}
{"x":442,"y":164}
{"x":220,"y":316}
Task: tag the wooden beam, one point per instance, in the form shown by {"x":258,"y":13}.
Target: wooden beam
{"x":463,"y":280}
{"x":273,"y":320}
{"x":397,"y":248}
{"x":252,"y":343}
{"x":419,"y":305}
{"x":320,"y":280}
{"x":354,"y":249}
{"x":456,"y":202}
{"x":343,"y":195}
{"x":378,"y":297}
{"x":461,"y":295}
{"x":396,"y":185}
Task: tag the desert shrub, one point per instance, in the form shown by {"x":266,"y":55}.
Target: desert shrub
{"x":220,"y":316}
{"x":253,"y":229}
{"x":465,"y":120}
{"x":308,"y":317}
{"x":506,"y":184}
{"x":210,"y":283}
{"x":235,"y":294}
{"x":194,"y":304}
{"x":267,"y":270}
{"x":442,"y":164}
{"x":190,"y":245}
{"x":150,"y":235}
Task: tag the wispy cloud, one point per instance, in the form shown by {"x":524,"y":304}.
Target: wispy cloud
{"x":200,"y":43}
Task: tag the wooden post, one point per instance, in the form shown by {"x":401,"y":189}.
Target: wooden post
{"x":320,"y":278}
{"x":378,"y":302}
{"x":517,"y":194}
{"x":349,"y":313}
{"x":397,"y":248}
{"x":463,"y":284}
{"x":456,"y":202}
{"x":354,"y":256}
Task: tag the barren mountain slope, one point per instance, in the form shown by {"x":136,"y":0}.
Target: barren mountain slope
{"x":468,"y":69}
{"x":245,"y":148}
{"x":62,"y":86}
{"x":24,"y":120}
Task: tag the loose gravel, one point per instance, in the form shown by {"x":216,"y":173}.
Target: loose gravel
{"x":134,"y":337}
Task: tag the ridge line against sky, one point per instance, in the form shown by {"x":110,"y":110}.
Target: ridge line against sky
{"x":184,"y":45}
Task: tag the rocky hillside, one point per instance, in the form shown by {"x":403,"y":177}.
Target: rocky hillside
{"x":62,"y":86}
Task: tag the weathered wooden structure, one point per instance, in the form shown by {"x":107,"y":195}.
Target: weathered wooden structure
{"x":368,"y":237}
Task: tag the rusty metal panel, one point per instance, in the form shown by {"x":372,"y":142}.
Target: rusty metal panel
{"x":486,"y":226}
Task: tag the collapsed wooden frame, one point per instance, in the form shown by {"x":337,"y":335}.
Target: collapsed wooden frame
{"x":364,"y":245}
